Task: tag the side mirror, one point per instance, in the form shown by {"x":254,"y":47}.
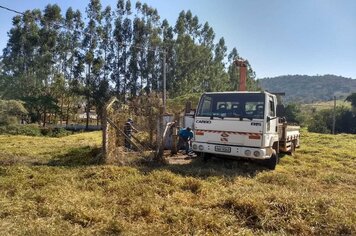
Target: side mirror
{"x":280,"y":110}
{"x":271,"y":118}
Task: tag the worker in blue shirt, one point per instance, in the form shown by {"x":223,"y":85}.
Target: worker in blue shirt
{"x":185,"y":135}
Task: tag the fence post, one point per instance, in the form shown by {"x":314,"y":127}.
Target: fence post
{"x":105,"y":129}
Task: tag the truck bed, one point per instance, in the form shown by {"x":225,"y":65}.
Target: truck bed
{"x":288,"y":132}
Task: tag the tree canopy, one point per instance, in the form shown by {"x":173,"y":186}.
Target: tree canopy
{"x":56,"y":61}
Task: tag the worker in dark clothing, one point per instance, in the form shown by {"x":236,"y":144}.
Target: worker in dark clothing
{"x":185,"y":135}
{"x":128,"y":129}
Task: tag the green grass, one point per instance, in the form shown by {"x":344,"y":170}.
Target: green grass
{"x":55,"y":186}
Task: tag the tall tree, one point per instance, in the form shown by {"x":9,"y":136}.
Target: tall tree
{"x":168,"y":44}
{"x":122,"y":42}
{"x":91,"y":58}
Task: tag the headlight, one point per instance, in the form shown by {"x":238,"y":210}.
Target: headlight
{"x":201,"y":147}
{"x":256,"y":153}
{"x":195,"y":147}
{"x":248,"y":153}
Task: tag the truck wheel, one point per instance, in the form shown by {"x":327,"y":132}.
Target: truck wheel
{"x":292,"y":149}
{"x":273,"y":161}
{"x":205,"y":156}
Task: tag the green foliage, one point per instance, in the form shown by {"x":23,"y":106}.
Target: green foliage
{"x":55,"y":132}
{"x":39,"y":106}
{"x":352,"y":98}
{"x":54,"y":61}
{"x":177,"y":104}
{"x":33,"y":130}
{"x":11,"y":111}
{"x":322,"y":121}
{"x":30,"y":130}
{"x":293,"y":114}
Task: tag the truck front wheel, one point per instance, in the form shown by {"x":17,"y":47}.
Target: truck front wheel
{"x":204,"y":156}
{"x":273,"y":161}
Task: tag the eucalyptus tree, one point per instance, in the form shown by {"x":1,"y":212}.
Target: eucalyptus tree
{"x":152,"y":53}
{"x":232,"y":70}
{"x":20,"y":55}
{"x":102,"y":64}
{"x":168,"y":44}
{"x":90,"y":48}
{"x":137,"y":59}
{"x":219,"y":80}
{"x":122,"y":41}
{"x":49,"y":58}
{"x":70,"y":63}
{"x":48,"y":50}
{"x":194,"y":54}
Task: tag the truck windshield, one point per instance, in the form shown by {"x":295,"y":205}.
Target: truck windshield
{"x":242,"y":105}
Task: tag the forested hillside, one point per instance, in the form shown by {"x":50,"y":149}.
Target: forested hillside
{"x":307,"y":89}
{"x":57,"y":59}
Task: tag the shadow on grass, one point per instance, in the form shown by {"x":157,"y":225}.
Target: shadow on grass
{"x":213,"y":167}
{"x":82,"y":156}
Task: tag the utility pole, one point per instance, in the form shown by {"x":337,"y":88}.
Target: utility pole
{"x":334,"y":115}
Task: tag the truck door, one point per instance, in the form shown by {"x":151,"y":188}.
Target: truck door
{"x":271,"y":113}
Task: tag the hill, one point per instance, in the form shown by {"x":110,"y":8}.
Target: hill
{"x":54,"y":186}
{"x":309,"y":89}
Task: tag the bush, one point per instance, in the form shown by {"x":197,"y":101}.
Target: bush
{"x":30,"y":130}
{"x":294,"y":114}
{"x":55,"y":132}
{"x":322,"y":121}
{"x":33,"y":130}
{"x":11,"y":111}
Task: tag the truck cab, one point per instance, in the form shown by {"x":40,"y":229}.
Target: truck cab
{"x":239,"y":124}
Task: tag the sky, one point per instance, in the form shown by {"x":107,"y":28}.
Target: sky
{"x":278,"y":37}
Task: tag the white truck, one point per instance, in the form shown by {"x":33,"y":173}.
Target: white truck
{"x":243,"y":124}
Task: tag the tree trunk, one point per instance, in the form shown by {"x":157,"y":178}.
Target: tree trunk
{"x":67,"y":117}
{"x":44,"y":117}
{"x":88,"y":101}
{"x":87,"y":114}
{"x":61,"y":112}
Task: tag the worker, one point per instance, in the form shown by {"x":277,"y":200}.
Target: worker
{"x":128,"y":129}
{"x":185,"y":135}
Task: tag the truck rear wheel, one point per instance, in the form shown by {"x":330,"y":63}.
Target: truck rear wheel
{"x":292,"y":149}
{"x":273,"y":161}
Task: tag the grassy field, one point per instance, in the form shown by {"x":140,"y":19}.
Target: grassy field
{"x":56,"y":186}
{"x":327,"y":105}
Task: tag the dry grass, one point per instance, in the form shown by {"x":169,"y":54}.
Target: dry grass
{"x":52,"y":186}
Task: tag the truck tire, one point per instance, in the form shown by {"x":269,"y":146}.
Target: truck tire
{"x":292,"y":149}
{"x":205,"y":156}
{"x":273,"y":161}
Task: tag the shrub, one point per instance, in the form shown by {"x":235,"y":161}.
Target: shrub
{"x":322,"y":121}
{"x":294,"y":114}
{"x":10,"y":111}
{"x":33,"y":130}
{"x":55,"y":132}
{"x":30,"y":130}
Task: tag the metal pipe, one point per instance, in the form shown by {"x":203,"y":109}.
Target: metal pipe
{"x":242,"y":65}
